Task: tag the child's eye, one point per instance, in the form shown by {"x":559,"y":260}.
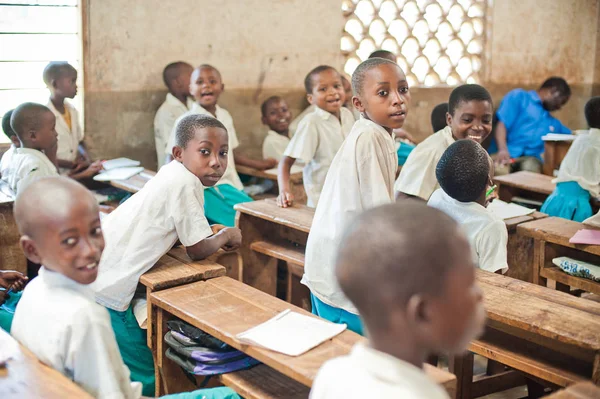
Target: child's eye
{"x":322,"y":89}
{"x":96,"y":231}
{"x":70,"y":242}
{"x":224,"y":153}
{"x":337,"y":86}
{"x":382,"y":93}
{"x":467,"y":120}
{"x":404,"y":90}
{"x":204,"y":151}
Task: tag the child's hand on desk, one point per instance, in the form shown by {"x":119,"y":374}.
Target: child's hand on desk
{"x":79,"y":166}
{"x":268,"y":163}
{"x":13,"y":280}
{"x":285,"y":199}
{"x":234,"y":238}
{"x":502,"y":157}
{"x":90,"y":171}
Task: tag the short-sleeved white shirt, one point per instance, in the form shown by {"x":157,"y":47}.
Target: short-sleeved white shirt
{"x":274,"y":145}
{"x":593,"y":220}
{"x":485,"y":231}
{"x":417,"y":177}
{"x":230,"y":176}
{"x":68,"y":139}
{"x":144,"y":228}
{"x":582,"y":163}
{"x":164,"y":120}
{"x":369,"y":373}
{"x":58,"y":320}
{"x":27,"y":165}
{"x":5,"y":161}
{"x":317,"y":140}
{"x":361,"y":177}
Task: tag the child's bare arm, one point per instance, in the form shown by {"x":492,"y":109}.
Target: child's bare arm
{"x":13,"y":280}
{"x":285,"y":197}
{"x":402,"y":196}
{"x":503,"y":156}
{"x":229,"y":238}
{"x":88,"y":172}
{"x":260,"y":164}
{"x":83,"y":153}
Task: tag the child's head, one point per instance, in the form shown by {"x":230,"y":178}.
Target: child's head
{"x":206,"y":85}
{"x":388,"y":55}
{"x":34,"y":125}
{"x":276,"y":114}
{"x":421,"y":280}
{"x":324,"y":89}
{"x":201,"y":145}
{"x":592,"y":112}
{"x":554,"y":93}
{"x":438,"y":117}
{"x":176,"y":76}
{"x":381,"y":92}
{"x":470,"y":113}
{"x":8,"y":131}
{"x":61,"y":79}
{"x":59,"y":222}
{"x":463,"y":171}
{"x":347,"y":92}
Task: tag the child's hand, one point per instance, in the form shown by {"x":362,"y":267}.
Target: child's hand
{"x":216,"y":228}
{"x":502,"y":157}
{"x":92,"y":170}
{"x":2,"y":297}
{"x":271,"y":163}
{"x":285,"y":199}
{"x":234,"y":238}
{"x":12,"y":279}
{"x":80,"y":165}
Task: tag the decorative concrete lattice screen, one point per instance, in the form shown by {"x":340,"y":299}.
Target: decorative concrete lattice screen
{"x":437,"y":42}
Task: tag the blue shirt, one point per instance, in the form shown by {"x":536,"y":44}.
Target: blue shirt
{"x":526,"y":121}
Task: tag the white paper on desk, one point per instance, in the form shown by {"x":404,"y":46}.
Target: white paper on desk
{"x":119,"y":163}
{"x":291,"y":333}
{"x":558,"y":137}
{"x":294,"y":169}
{"x":118,"y":174}
{"x":8,"y":347}
{"x":506,"y":210}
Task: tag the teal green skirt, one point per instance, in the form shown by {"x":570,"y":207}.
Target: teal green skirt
{"x":403,"y":151}
{"x":568,"y":201}
{"x":7,"y":310}
{"x":336,"y":315}
{"x":219,"y":202}
{"x":209,"y":393}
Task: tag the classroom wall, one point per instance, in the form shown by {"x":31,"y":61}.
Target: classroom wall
{"x":264,"y":48}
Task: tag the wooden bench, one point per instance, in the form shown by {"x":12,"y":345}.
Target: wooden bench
{"x":11,"y":254}
{"x":524,"y":184}
{"x":296,"y":184}
{"x":26,"y":377}
{"x":551,"y":337}
{"x":582,"y":390}
{"x":134,"y":183}
{"x":551,"y":239}
{"x":224,"y":307}
{"x":554,"y":152}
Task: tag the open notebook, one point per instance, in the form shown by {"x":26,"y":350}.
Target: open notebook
{"x":118,"y":173}
{"x":505,"y":210}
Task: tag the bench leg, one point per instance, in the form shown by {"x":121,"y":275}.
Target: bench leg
{"x":534,"y":389}
{"x":563,"y":287}
{"x":462,"y":367}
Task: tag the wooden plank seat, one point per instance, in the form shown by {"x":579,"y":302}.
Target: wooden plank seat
{"x":262,"y":382}
{"x":285,"y":251}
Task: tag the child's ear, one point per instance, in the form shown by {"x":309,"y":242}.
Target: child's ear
{"x":222,"y":87}
{"x":309,"y":98}
{"x":448,"y":119}
{"x":177,"y":153}
{"x":357,"y":103}
{"x":263,"y":119}
{"x":30,"y":249}
{"x":54,"y":83}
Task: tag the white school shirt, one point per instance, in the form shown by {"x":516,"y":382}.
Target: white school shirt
{"x":417,"y":177}
{"x":274,"y":145}
{"x":27,"y":165}
{"x":294,"y":125}
{"x":68,"y":139}
{"x":58,"y":320}
{"x":582,"y":163}
{"x":317,"y":140}
{"x":145,"y":227}
{"x":485,"y":231}
{"x":369,"y":373}
{"x":593,"y":220}
{"x":164,"y":120}
{"x":230,"y":176}
{"x":5,"y":161}
{"x":361,"y":177}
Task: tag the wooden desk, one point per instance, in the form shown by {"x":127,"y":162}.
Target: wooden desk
{"x":296,"y":184}
{"x":26,"y":377}
{"x":11,"y":254}
{"x":554,"y":153}
{"x":134,"y":183}
{"x":551,"y":239}
{"x":224,"y":307}
{"x":528,"y":185}
{"x":582,"y":390}
{"x":520,"y":248}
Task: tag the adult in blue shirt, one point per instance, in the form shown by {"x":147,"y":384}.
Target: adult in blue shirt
{"x":523,"y":118}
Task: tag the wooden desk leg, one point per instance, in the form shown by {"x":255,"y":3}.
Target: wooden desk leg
{"x":505,"y":193}
{"x":462,"y":367}
{"x":550,"y":160}
{"x":596,"y":369}
{"x":539,"y":248}
{"x":160,"y":385}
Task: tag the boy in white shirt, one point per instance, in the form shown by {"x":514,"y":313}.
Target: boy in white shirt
{"x":206,"y":86}
{"x":414,"y":286}
{"x":464,"y":173}
{"x":176,"y":76}
{"x":139,"y":232}
{"x":320,"y":134}
{"x":36,"y":157}
{"x":277,"y":116}
{"x":469,"y":116}
{"x":57,"y":318}
{"x":361,"y":176}
{"x":14,"y":140}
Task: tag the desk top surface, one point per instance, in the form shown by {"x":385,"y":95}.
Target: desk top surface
{"x":245,"y":170}
{"x":299,"y":217}
{"x":530,"y":181}
{"x":134,"y":183}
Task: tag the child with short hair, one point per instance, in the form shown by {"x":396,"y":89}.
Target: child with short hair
{"x":36,"y":157}
{"x":361,"y":177}
{"x":57,"y":318}
{"x":465,"y":175}
{"x":176,"y":77}
{"x":578,"y":177}
{"x":438,"y":117}
{"x":14,"y":140}
{"x":277,"y":116}
{"x":469,"y":116}
{"x":418,"y":298}
{"x":139,"y":232}
{"x":206,"y":86}
{"x":319,"y":136}
{"x":388,"y":55}
{"x":61,"y":79}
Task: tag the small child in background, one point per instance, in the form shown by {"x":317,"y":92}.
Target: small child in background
{"x":61,"y":79}
{"x":465,"y":174}
{"x":57,"y":318}
{"x":319,"y":135}
{"x":388,"y":55}
{"x":348,"y":92}
{"x":361,"y":177}
{"x":469,"y":116}
{"x":139,"y":232}
{"x":277,"y":116}
{"x":176,"y":77}
{"x":14,"y":140}
{"x":36,"y":157}
{"x":438,"y":117}
{"x":418,"y":298}
{"x":579,"y":173}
